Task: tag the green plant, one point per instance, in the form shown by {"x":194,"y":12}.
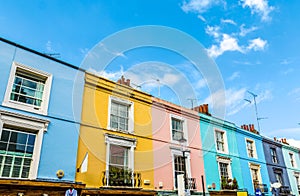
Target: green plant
{"x":235,"y":184}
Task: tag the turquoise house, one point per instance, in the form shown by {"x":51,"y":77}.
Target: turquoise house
{"x":222,"y":166}
{"x":292,"y":162}
{"x":252,"y":160}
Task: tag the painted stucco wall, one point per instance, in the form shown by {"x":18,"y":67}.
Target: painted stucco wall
{"x":208,"y":125}
{"x":292,"y":170}
{"x":267,"y":144}
{"x":59,"y":147}
{"x":95,"y":114}
{"x":162,"y":111}
{"x":245,"y":160}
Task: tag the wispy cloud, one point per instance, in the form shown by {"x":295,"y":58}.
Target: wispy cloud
{"x":49,"y":46}
{"x":294,"y":142}
{"x":285,"y":62}
{"x":213,"y":31}
{"x":113,"y":52}
{"x":228,"y":43}
{"x":260,"y":7}
{"x":233,"y":102}
{"x":287,"y":71}
{"x":244,"y":31}
{"x":234,"y":76}
{"x":295,"y":93}
{"x":228,"y":21}
{"x":292,"y":135}
{"x":257,"y":44}
{"x":114,"y":76}
{"x":199,"y":6}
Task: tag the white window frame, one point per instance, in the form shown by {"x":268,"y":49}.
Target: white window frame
{"x":43,"y":109}
{"x":225,"y":141}
{"x":39,"y":126}
{"x":254,"y":148}
{"x":130,"y":143}
{"x":257,"y":167}
{"x":184,"y":126}
{"x":130,"y":105}
{"x":292,"y":159}
{"x":178,"y":152}
{"x":226,"y":160}
{"x":276,"y":156}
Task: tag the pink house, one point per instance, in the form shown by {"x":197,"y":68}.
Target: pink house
{"x":176,"y":146}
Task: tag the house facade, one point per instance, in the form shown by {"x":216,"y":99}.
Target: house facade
{"x":37,"y":121}
{"x":252,"y":158}
{"x":176,"y":148}
{"x":292,"y":162}
{"x":115,"y":147}
{"x":220,"y":152}
{"x":276,"y":165}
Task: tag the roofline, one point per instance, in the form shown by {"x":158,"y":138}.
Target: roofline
{"x":40,"y":54}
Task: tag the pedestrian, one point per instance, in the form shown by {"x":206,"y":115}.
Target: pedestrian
{"x":71,"y":191}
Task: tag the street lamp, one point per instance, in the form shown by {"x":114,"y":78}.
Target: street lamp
{"x":182,"y":140}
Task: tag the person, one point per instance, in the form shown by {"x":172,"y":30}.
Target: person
{"x":71,"y":191}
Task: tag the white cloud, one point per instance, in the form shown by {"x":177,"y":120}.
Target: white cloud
{"x":213,"y":31}
{"x":228,"y":21}
{"x":285,"y":62}
{"x":257,"y":44}
{"x":200,"y":84}
{"x":113,"y":52}
{"x":233,"y":100}
{"x":49,"y":46}
{"x":114,"y":76}
{"x":295,"y":93}
{"x":244,"y":31}
{"x":228,"y":43}
{"x":287,"y":71}
{"x":260,"y":7}
{"x":198,"y":6}
{"x":294,"y":142}
{"x":234,"y":75}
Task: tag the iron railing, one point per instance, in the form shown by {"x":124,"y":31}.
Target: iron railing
{"x":121,"y":177}
{"x":263,"y":187}
{"x":190,"y":183}
{"x":284,"y":190}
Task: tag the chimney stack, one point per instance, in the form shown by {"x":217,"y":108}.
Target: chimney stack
{"x":123,"y":81}
{"x":202,"y":109}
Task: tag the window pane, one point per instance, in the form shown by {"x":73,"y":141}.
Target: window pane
{"x":119,"y":116}
{"x":5,"y":135}
{"x":15,"y":164}
{"x":16,"y":171}
{"x":31,"y":139}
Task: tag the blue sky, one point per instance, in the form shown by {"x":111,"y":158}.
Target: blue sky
{"x":254,"y":44}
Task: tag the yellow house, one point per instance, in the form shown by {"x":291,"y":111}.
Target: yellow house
{"x":115,"y":143}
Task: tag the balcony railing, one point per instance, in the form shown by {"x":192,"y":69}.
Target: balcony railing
{"x":121,"y":177}
{"x":190,"y":183}
{"x":263,"y":187}
{"x":284,"y":190}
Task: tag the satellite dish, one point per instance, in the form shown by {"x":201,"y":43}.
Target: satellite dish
{"x":276,"y":185}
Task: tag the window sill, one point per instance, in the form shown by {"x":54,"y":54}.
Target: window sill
{"x":22,"y":106}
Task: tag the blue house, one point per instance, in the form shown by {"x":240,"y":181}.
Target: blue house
{"x":276,"y":165}
{"x":252,"y":158}
{"x":220,"y":152}
{"x":39,"y":116}
{"x":292,"y":162}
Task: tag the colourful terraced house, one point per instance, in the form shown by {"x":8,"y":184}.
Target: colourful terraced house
{"x":177,"y":149}
{"x":252,"y":158}
{"x":115,"y":145}
{"x":38,"y":127}
{"x":220,"y":153}
{"x":292,"y":162}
